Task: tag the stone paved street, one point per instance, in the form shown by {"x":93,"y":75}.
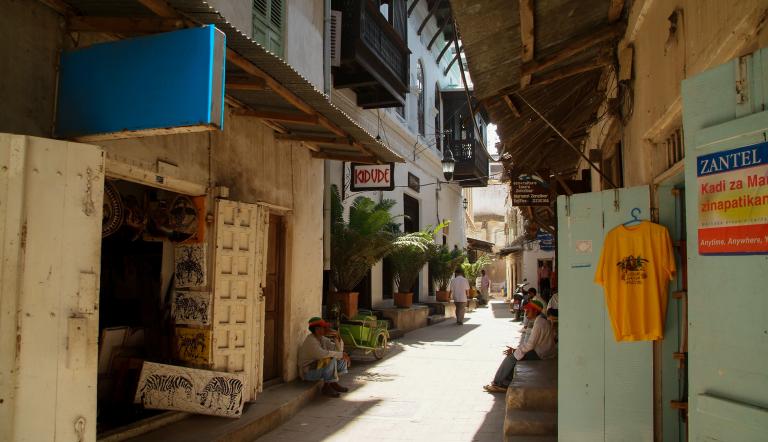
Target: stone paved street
{"x":429,"y":387}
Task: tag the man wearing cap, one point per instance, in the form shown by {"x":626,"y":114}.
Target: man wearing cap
{"x":540,"y":345}
{"x":322,"y":358}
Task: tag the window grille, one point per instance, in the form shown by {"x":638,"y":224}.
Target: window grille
{"x":674,"y":147}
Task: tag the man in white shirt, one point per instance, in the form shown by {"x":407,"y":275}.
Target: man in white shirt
{"x":485,"y":287}
{"x":322,"y":358}
{"x":539,"y":345}
{"x":459,"y":289}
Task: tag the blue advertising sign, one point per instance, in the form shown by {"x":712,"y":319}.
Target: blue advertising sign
{"x":546,"y":241}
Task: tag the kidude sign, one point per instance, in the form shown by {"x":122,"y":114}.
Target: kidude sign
{"x":372,"y":177}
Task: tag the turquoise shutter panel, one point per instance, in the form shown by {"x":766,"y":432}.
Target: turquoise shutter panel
{"x":268,"y":24}
{"x":723,"y":109}
{"x":605,"y":388}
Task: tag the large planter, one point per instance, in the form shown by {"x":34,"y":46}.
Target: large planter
{"x":403,"y":300}
{"x":472,"y":293}
{"x":348,"y":301}
{"x":443,"y":295}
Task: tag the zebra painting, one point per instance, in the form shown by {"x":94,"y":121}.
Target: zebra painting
{"x":191,"y":308}
{"x":190,"y":265}
{"x":218,"y":390}
{"x":164,"y":386}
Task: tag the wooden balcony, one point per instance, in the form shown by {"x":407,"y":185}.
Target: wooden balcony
{"x":472,"y":162}
{"x":374,"y":53}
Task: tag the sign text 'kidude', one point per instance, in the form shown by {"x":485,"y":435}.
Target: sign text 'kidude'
{"x":733,"y":201}
{"x":367,"y":177}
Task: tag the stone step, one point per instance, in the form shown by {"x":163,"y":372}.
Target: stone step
{"x":434,"y":319}
{"x":395,"y":333}
{"x":534,"y":386}
{"x":530,"y":423}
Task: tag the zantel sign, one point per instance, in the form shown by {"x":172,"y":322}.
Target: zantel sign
{"x":372,"y":177}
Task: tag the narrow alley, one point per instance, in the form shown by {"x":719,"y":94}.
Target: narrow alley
{"x":428,"y":387}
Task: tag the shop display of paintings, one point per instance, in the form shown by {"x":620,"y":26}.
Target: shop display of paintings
{"x":193,"y":345}
{"x":168,"y":387}
{"x":190,"y":265}
{"x":191,"y":308}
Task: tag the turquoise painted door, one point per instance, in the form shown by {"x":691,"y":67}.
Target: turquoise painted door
{"x":605,"y":390}
{"x":724,"y":109}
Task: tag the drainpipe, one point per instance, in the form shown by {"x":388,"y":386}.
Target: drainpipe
{"x":327,"y":48}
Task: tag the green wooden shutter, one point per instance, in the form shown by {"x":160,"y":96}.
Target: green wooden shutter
{"x":268,"y":20}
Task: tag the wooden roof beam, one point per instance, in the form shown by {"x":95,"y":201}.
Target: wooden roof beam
{"x":601,"y":35}
{"x":569,"y":71}
{"x":511,"y":104}
{"x":445,"y":49}
{"x":123,"y":25}
{"x":251,"y":84}
{"x":455,"y":57}
{"x":431,"y":12}
{"x":343,"y":157}
{"x":278,"y":116}
{"x":315,"y":139}
{"x":526,"y":37}
{"x":615,"y":8}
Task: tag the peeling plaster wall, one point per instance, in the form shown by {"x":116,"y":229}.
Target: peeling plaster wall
{"x":709,"y":33}
{"x":28,"y":84}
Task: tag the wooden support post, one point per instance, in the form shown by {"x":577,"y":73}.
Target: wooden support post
{"x":412,"y":7}
{"x":431,"y":12}
{"x":526,"y":37}
{"x":601,"y":35}
{"x":447,"y":23}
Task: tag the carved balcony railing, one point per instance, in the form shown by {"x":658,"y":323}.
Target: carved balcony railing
{"x":374,"y":53}
{"x":472,"y":162}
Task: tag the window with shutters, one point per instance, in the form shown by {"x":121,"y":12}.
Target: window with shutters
{"x":268,"y":23}
{"x":420,"y":103}
{"x":438,"y":132}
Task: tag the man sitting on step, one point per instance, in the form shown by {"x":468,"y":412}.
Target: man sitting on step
{"x":539,"y":345}
{"x":322,"y":358}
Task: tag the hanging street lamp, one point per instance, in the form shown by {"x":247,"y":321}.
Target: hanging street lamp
{"x":448,"y":164}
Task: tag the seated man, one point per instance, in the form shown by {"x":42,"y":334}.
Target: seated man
{"x":322,"y":358}
{"x":540,"y":345}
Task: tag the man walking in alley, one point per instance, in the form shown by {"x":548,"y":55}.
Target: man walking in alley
{"x":322,"y":358}
{"x":485,"y":288}
{"x":539,"y":345}
{"x":459,"y":289}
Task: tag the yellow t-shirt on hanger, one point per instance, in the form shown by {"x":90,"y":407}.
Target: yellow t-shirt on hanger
{"x":635,"y":268}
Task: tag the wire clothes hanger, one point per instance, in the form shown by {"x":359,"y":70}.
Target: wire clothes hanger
{"x":635,"y":213}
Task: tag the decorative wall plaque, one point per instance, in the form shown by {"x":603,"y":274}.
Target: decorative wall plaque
{"x":191,"y":266}
{"x":168,"y":387}
{"x":191,"y":308}
{"x":193,"y":345}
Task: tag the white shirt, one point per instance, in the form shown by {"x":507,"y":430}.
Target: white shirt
{"x":459,"y":287}
{"x":553,"y":301}
{"x":541,"y":340}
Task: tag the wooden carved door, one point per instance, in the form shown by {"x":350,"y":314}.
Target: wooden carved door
{"x":239,"y":270}
{"x":273,"y":300}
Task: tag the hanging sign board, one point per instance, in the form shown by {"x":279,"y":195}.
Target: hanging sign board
{"x":414,"y":183}
{"x":367,"y":177}
{"x":733,"y":201}
{"x":546,"y":241}
{"x":530,"y":190}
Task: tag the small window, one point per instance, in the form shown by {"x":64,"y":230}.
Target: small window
{"x":268,"y":22}
{"x":420,"y":97}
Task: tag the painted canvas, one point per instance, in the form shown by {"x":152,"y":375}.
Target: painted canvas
{"x":191,"y":266}
{"x":168,"y":387}
{"x":191,"y":308}
{"x":193,"y":345}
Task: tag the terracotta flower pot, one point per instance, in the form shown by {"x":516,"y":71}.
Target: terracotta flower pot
{"x":348,"y":301}
{"x":403,"y":300}
{"x":443,"y":295}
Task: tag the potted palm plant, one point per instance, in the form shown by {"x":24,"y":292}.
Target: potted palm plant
{"x":411,"y":252}
{"x":357,"y":243}
{"x":472,"y":271}
{"x":442,"y":264}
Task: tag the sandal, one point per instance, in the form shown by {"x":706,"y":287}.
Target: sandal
{"x":494,"y":388}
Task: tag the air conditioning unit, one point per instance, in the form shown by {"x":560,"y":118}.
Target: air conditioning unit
{"x":335,"y":38}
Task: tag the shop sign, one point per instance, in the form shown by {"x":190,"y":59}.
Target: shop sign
{"x":530,"y":190}
{"x":168,"y":387}
{"x":367,"y":177}
{"x":546,"y":241}
{"x":414,"y":183}
{"x":733,"y":201}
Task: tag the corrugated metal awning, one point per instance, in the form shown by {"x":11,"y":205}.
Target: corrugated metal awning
{"x":259,"y":83}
